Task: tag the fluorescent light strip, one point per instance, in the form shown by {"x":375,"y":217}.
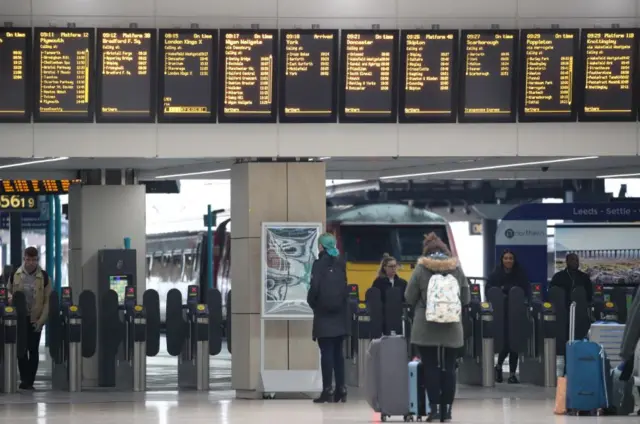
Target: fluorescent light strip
{"x":488,"y":168}
{"x":32,"y":162}
{"x":189,"y":174}
{"x":635,"y":174}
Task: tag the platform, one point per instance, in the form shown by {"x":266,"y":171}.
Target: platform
{"x":506,"y":404}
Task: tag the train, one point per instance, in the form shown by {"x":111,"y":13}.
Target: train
{"x":364,"y":233}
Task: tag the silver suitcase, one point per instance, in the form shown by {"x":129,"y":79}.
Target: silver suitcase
{"x":609,"y":335}
{"x":387,"y":379}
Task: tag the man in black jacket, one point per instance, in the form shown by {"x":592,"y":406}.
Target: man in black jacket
{"x":571,"y":277}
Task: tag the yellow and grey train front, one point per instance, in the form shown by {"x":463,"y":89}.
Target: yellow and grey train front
{"x":365,"y":233}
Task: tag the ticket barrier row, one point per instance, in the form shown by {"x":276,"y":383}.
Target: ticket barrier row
{"x":131,"y":332}
{"x":71,"y":337}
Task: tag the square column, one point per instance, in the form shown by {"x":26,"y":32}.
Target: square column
{"x":268,"y":192}
{"x":100,"y":217}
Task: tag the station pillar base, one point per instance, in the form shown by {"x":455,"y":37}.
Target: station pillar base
{"x":268,"y":192}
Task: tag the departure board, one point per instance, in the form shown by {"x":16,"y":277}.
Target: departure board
{"x":369,"y":63}
{"x":488,"y":76}
{"x":248,"y":60}
{"x":15,"y":48}
{"x":428,"y":76}
{"x":125,"y":75}
{"x":548,"y":61}
{"x":609,"y":59}
{"x":63,"y":75}
{"x":36,"y":186}
{"x":187,"y":76}
{"x":308,"y":75}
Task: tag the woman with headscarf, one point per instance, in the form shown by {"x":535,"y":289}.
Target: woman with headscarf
{"x":508,"y":274}
{"x":328,"y":298}
{"x":438,"y":341}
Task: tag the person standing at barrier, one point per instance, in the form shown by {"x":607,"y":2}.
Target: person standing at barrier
{"x":387,"y":279}
{"x":438,"y":339}
{"x":571,"y":277}
{"x":34,"y":282}
{"x":508,"y":274}
{"x":630,"y":341}
{"x":328,"y":298}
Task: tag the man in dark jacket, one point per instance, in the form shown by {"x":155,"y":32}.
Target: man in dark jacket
{"x":328,"y":298}
{"x":571,"y":277}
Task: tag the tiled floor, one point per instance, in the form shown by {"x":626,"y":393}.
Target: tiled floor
{"x":521,"y":406}
{"x":164,"y":405}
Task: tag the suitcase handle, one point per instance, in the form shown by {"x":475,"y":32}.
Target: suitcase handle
{"x":572,"y":321}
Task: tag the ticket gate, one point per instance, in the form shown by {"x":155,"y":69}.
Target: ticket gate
{"x":8,"y":340}
{"x":129,"y":332}
{"x":194,"y":332}
{"x":477,"y":356}
{"x":72,"y":336}
{"x":536,"y":344}
{"x":365,"y":327}
{"x":558,"y":300}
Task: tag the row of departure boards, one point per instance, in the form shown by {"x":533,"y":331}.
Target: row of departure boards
{"x":66,"y":75}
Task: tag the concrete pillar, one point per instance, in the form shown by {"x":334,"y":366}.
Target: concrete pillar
{"x":268,"y":192}
{"x":99,"y":218}
{"x":489,"y":227}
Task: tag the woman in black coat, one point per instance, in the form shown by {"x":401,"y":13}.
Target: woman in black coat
{"x":388,"y":279}
{"x":508,"y":274}
{"x":328,"y":298}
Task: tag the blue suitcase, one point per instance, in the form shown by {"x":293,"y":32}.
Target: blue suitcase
{"x":418,"y":404}
{"x":586,"y":373}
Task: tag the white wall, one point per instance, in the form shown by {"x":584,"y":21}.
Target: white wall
{"x":89,"y":140}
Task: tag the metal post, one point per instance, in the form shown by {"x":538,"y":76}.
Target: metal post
{"x":75,"y":357}
{"x":58,"y":245}
{"x":202,"y":355}
{"x":209,"y":248}
{"x":139,"y":359}
{"x":550,"y":363}
{"x":10,"y":370}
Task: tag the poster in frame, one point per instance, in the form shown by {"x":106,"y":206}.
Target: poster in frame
{"x":288,"y":250}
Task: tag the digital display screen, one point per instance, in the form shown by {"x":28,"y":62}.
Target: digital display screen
{"x":125,"y":75}
{"x":16,"y":202}
{"x":428,"y":76}
{"x":487,"y":80}
{"x":548,"y":61}
{"x":36,"y":186}
{"x":15,"y":48}
{"x":187,"y":76}
{"x":63,"y":75}
{"x":369,"y":63}
{"x":248,"y":76}
{"x":308,"y":75}
{"x":119,"y":283}
{"x":609,"y":60}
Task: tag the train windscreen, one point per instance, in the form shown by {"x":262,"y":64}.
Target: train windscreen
{"x":367,"y":243}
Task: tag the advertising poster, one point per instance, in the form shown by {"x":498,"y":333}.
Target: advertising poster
{"x":288,"y":252}
{"x":609,"y":253}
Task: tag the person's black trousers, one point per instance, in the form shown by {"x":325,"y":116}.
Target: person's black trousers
{"x":513,"y":359}
{"x":439,"y":365}
{"x":28,"y":363}
{"x":331,"y":361}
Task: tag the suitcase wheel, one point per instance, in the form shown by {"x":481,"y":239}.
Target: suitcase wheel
{"x":408,"y":418}
{"x":383,"y":417}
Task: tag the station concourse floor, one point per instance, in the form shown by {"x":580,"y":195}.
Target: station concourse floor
{"x":164,"y":404}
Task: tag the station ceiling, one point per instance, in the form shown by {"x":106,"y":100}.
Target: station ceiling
{"x":392,"y":169}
